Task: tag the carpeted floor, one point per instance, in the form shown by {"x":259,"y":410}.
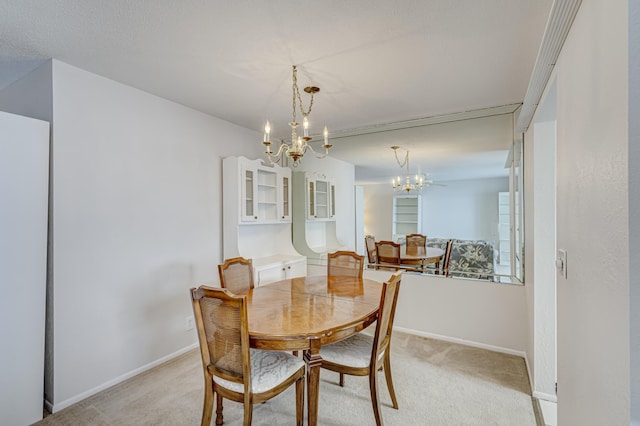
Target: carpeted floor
{"x":437,"y":383}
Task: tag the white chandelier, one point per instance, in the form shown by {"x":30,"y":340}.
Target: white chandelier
{"x":420,"y":181}
{"x":299,"y":144}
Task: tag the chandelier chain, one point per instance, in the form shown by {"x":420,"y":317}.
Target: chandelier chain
{"x":296,"y":93}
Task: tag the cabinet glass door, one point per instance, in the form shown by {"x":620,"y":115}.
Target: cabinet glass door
{"x":248,"y":200}
{"x":333,"y":201}
{"x":311,"y":193}
{"x":286,"y":209}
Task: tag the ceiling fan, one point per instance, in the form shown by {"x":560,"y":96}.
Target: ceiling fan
{"x":421,"y":180}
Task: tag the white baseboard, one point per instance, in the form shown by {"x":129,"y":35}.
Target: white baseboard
{"x":64,"y":404}
{"x":462,"y":341}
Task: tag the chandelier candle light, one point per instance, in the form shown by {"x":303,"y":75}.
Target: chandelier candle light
{"x":419,"y":182}
{"x":299,"y":144}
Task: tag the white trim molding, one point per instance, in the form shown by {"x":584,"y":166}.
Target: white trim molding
{"x":462,"y":342}
{"x":563,"y":12}
{"x":67,"y":403}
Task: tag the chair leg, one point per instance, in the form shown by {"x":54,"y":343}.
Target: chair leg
{"x":300,"y":401}
{"x":375,"y":400}
{"x":218,"y":409}
{"x":342,"y":379}
{"x":207,"y":408}
{"x":387,"y":375}
{"x":248,"y":414}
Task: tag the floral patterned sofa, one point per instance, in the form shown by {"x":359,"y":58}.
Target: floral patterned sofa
{"x":469,"y":258}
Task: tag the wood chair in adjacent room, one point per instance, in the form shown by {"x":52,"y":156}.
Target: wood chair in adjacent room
{"x":364,"y":355}
{"x":388,"y":254}
{"x":236,"y":274}
{"x":446,"y":258}
{"x":372,"y":255}
{"x":231,"y":369}
{"x":345,"y":264}
{"x":416,"y":245}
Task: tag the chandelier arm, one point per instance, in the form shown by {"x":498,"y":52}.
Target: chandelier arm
{"x":321,"y":155}
{"x":275,"y":158}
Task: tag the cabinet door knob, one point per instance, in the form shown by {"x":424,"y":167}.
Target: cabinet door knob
{"x":283,"y":269}
{"x":288,"y":267}
{"x":255,"y":217}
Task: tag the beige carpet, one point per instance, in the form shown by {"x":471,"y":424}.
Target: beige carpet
{"x":437,"y":383}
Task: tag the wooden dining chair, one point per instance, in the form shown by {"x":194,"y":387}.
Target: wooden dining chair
{"x":231,"y":369}
{"x":446,"y":258}
{"x":345,"y":264}
{"x":388,"y":254}
{"x":363,"y":355}
{"x":416,"y":244}
{"x":236,"y":274}
{"x":372,"y":255}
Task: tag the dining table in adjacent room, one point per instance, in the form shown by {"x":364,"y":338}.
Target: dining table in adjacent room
{"x":303,"y":314}
{"x":423,"y":258}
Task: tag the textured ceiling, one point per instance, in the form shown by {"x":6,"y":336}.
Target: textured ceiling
{"x":376,"y":61}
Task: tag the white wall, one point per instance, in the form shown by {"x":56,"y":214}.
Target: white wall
{"x":136,"y":223}
{"x":593,"y":195}
{"x":543,"y":262}
{"x":465,"y":209}
{"x":24,"y":176}
{"x":634,"y":204}
{"x":378,"y":211}
{"x":31,"y":96}
{"x":477,"y":313}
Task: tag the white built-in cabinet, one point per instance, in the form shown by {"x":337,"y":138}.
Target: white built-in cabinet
{"x":266,"y":193}
{"x":314,"y":216}
{"x":276,"y":268}
{"x":321,"y":197}
{"x":257,"y":219}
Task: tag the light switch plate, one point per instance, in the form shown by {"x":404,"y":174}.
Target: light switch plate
{"x":561,"y":263}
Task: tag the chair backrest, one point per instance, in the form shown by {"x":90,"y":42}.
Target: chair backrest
{"x":221,"y":321}
{"x":370,"y":243}
{"x":388,"y":252}
{"x":386,"y":315}
{"x":345,"y":264}
{"x":236,"y":274}
{"x":416,"y":244}
{"x":446,"y":258}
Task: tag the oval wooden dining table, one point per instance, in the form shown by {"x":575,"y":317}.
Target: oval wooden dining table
{"x":308,"y":312}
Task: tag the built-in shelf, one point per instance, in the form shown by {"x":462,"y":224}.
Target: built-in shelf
{"x":314,"y":207}
{"x":407,"y":218}
{"x":257,"y":219}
